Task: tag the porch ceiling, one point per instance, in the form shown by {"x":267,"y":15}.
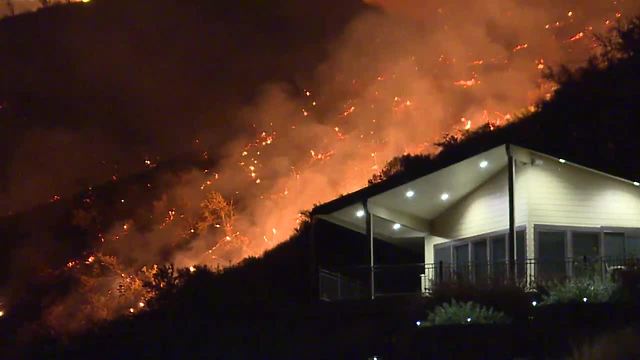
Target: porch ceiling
{"x":415,"y":212}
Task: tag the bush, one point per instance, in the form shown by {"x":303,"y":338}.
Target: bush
{"x":509,"y":298}
{"x":593,"y":290}
{"x":456,"y":313}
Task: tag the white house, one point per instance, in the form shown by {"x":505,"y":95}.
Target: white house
{"x":509,"y":212}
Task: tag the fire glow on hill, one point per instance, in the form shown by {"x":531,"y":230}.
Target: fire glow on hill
{"x":395,"y":82}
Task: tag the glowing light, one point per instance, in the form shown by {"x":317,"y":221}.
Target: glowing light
{"x":534,"y":303}
{"x":562,"y":161}
{"x":1,"y":313}
{"x":584,"y":299}
{"x":444,"y":196}
{"x":468,"y":319}
{"x":360,"y":213}
{"x":635,"y":183}
{"x":417,"y":323}
{"x":409,"y":193}
{"x":396,"y":226}
{"x":484,"y":163}
{"x":192,"y":268}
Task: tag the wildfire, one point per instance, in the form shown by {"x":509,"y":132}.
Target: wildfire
{"x":258,"y":158}
{"x":520,"y":47}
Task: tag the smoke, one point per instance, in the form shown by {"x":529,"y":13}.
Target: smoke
{"x":393,"y":82}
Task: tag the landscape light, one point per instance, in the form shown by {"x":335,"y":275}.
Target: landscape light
{"x":409,"y":193}
{"x":584,"y":299}
{"x":635,"y":183}
{"x":484,"y":163}
{"x":418,"y":323}
{"x":562,"y":161}
{"x":396,"y":226}
{"x":444,"y":196}
{"x":360,"y":213}
{"x":469,"y":319}
{"x":534,"y":303}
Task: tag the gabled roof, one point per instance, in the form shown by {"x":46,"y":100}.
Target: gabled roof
{"x":396,"y":183}
{"x":456,"y":178}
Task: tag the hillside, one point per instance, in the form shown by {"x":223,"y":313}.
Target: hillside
{"x":112,"y":97}
{"x":592,"y":120}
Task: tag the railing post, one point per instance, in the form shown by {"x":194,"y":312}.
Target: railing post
{"x":440,"y":271}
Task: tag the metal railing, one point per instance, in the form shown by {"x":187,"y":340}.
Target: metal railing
{"x":354,"y":282}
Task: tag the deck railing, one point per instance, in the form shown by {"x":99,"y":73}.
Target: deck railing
{"x":354,"y":282}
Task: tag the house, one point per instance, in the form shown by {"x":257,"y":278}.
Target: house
{"x":508,"y":213}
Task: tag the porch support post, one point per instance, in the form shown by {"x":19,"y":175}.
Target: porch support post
{"x":511,"y":167}
{"x":369,"y":231}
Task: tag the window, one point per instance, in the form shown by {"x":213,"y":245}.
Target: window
{"x":480,"y":269}
{"x":461,"y":254}
{"x":613,"y":245}
{"x":551,"y":255}
{"x":498,"y":257}
{"x":632,"y":244}
{"x":442,"y":253}
{"x":585,"y":253}
{"x":585,"y":245}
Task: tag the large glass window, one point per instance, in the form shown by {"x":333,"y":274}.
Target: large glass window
{"x":585,"y":245}
{"x":632,"y":244}
{"x":480,"y":269}
{"x":613,"y":245}
{"x":498,"y":257}
{"x":442,"y":254}
{"x":551,"y":255}
{"x":586,"y":251}
{"x":461,"y":254}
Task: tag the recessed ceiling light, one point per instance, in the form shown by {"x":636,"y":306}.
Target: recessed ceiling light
{"x":396,"y":226}
{"x":444,"y":196}
{"x":562,"y":161}
{"x":360,"y":213}
{"x":409,"y":193}
{"x":636,"y":183}
{"x":484,"y":163}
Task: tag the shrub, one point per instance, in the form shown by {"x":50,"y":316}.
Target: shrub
{"x":464,"y":313}
{"x":593,"y":290}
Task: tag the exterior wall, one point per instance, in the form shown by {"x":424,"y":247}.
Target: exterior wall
{"x":549,"y":193}
{"x":484,"y":210}
{"x":561,"y":194}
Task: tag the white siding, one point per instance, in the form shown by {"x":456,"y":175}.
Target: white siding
{"x":561,"y":194}
{"x":486,"y":209}
{"x":549,"y":193}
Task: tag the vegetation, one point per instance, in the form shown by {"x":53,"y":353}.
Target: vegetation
{"x":464,"y":313}
{"x":261,"y":308}
{"x":582,"y":289}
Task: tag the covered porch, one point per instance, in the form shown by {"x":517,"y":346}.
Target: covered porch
{"x":508,"y":214}
{"x":396,"y":238}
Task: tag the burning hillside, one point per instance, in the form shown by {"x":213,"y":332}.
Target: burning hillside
{"x":394,"y":82}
